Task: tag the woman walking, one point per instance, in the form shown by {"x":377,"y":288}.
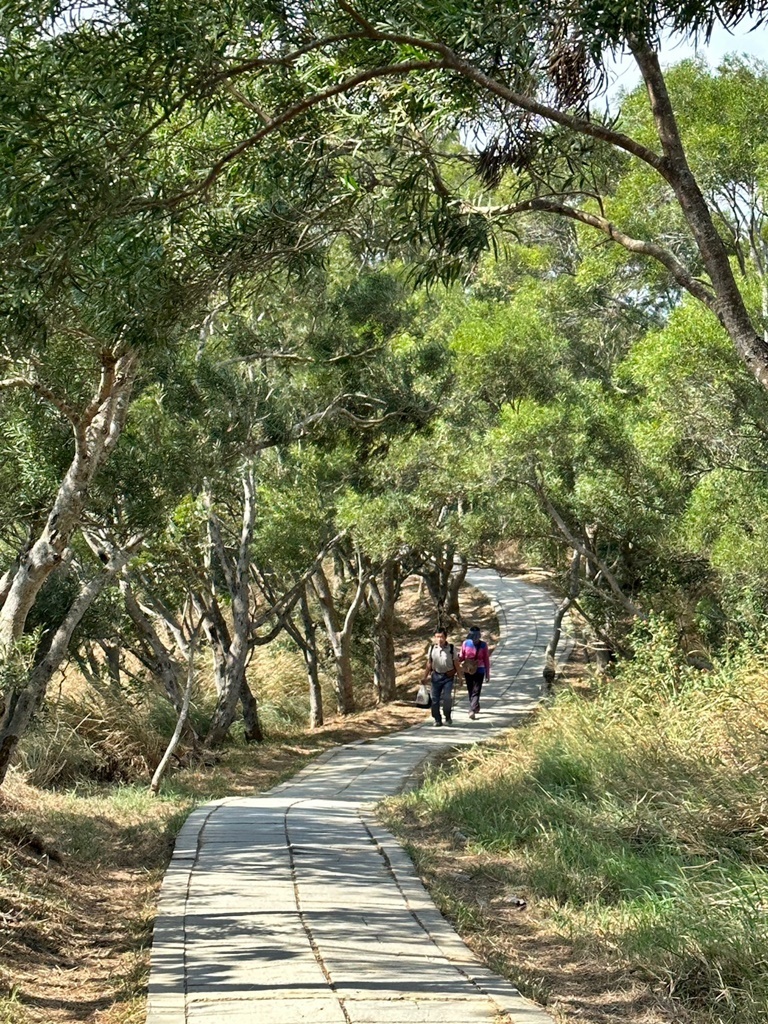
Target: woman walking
{"x":476,"y":662}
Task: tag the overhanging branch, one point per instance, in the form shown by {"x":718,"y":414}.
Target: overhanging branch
{"x":451,"y":59}
{"x":294,"y":111}
{"x":691,"y":284}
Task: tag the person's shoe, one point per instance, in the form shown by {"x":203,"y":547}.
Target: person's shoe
{"x":472,"y":714}
{"x":437,"y":723}
{"x":448,"y":720}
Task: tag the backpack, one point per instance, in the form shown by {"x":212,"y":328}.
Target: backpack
{"x":470,"y":661}
{"x":471,"y":664}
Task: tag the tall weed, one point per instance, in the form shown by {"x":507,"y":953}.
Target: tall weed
{"x":639,"y":816}
{"x":98,"y":734}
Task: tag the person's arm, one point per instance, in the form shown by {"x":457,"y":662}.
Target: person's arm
{"x":486,"y":657}
{"x":459,"y":668}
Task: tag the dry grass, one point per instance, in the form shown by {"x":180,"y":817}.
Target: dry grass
{"x":77,"y":877}
{"x":634,"y":824}
{"x":80,"y":868}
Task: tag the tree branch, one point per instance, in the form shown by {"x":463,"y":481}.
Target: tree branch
{"x":42,"y":391}
{"x":106,"y":384}
{"x":691,"y":284}
{"x":452,"y":60}
{"x":287,"y":59}
{"x":591,"y":556}
{"x":296,"y":110}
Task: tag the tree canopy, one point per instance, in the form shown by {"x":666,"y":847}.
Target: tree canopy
{"x":301,"y":301}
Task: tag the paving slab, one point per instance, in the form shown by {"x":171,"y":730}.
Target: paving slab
{"x":412,"y":1011}
{"x":297,"y":907}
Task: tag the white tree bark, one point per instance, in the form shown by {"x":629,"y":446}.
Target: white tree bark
{"x":304,"y":638}
{"x":383,"y":595}
{"x":550,"y":665}
{"x":96,"y":432}
{"x":230,"y":648}
{"x":157,"y":778}
{"x":340,"y":633}
{"x":22,"y":703}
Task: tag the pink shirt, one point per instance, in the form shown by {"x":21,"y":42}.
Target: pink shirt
{"x":481,"y":656}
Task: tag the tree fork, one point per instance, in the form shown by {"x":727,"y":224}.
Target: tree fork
{"x":96,"y":433}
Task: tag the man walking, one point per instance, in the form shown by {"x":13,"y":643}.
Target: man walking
{"x":442,"y":666}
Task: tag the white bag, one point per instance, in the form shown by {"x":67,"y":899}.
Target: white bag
{"x":423,"y":697}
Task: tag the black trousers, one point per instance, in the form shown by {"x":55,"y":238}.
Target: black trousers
{"x":474,"y":686}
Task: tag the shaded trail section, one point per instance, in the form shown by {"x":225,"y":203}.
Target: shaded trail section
{"x":296,"y":907}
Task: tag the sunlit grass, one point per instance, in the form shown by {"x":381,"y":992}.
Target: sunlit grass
{"x":637,"y":819}
{"x":12,"y":1011}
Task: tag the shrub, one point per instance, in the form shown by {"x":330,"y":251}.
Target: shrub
{"x":638,"y":816}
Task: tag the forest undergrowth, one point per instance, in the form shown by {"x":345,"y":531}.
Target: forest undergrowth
{"x":631,"y":817}
{"x":83,"y":845}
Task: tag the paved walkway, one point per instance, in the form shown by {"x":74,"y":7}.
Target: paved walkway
{"x":296,"y":907}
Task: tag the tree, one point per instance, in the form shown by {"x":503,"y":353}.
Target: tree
{"x":522,"y":79}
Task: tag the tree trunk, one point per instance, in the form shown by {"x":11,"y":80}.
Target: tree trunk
{"x":344,"y":681}
{"x":230,"y":652}
{"x":112,"y":659}
{"x":304,"y":639}
{"x":340,"y":635}
{"x":159,"y":659}
{"x":309,"y":649}
{"x":251,"y":722}
{"x":438,"y":599}
{"x":315,"y":693}
{"x":455,"y":582}
{"x":574,"y":586}
{"x":728,"y":303}
{"x":24,"y":701}
{"x":154,"y":786}
{"x":163,"y":664}
{"x":227,"y":680}
{"x":384,"y":672}
{"x":96,"y":434}
{"x":437,"y":577}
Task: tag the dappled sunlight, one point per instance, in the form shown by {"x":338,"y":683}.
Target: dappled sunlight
{"x":292,"y":896}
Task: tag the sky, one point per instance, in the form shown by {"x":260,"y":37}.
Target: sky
{"x":625,"y":76}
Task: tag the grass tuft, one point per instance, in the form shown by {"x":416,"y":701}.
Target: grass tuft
{"x":635,"y":821}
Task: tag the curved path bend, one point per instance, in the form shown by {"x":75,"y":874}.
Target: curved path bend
{"x":296,"y":907}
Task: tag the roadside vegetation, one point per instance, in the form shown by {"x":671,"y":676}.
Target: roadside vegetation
{"x":631,"y":817}
{"x":302,"y":302}
{"x":83,"y":843}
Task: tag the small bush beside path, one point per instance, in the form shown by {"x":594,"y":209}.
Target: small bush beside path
{"x":631,"y":817}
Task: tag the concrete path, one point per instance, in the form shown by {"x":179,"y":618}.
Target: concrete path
{"x":295,"y":907}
